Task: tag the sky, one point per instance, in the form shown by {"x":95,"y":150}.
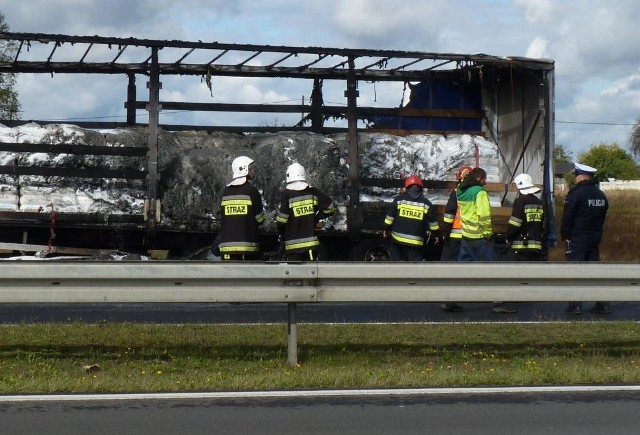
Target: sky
{"x":594,"y":44}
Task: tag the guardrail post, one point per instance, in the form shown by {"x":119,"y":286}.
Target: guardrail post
{"x":292,"y":345}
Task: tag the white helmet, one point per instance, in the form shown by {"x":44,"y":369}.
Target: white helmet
{"x":524,"y":183}
{"x":240,"y":169}
{"x":296,"y":177}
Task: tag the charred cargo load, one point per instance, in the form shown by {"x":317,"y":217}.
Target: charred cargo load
{"x":156,"y":186}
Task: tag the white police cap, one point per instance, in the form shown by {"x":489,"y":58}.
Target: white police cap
{"x":583,"y":169}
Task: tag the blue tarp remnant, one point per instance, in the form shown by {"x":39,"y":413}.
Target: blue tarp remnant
{"x":438,"y":94}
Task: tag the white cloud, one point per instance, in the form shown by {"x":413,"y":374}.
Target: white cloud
{"x":625,"y":87}
{"x":538,"y":48}
{"x":536,"y":11}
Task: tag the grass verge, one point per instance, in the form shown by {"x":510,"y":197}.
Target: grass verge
{"x":101,"y":358}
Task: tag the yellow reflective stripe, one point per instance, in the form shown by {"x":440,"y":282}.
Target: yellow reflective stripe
{"x":236,"y":202}
{"x":307,"y":201}
{"x":412,"y":207}
{"x":388,"y":220}
{"x":473,"y":233}
{"x":529,"y":245}
{"x":515,"y":222}
{"x":240,"y":247}
{"x":303,"y":200}
{"x":289,"y":246}
{"x":407,"y":239}
{"x":455,"y":235}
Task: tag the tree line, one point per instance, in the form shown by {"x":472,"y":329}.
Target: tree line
{"x":9,"y":104}
{"x":611,"y":160}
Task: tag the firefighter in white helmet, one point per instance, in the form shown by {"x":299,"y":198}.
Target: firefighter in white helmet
{"x":241,"y":213}
{"x":302,"y":207}
{"x":525,"y":230}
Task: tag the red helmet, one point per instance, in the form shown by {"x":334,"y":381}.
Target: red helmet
{"x":410,"y":181}
{"x":463,"y":172}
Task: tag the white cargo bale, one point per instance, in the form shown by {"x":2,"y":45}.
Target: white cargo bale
{"x":194,"y":168}
{"x":8,"y":198}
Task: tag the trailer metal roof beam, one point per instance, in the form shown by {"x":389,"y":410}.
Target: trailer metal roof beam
{"x":382,"y":56}
{"x":248,"y":59}
{"x":86,"y":53}
{"x":184,"y":56}
{"x":119,"y":54}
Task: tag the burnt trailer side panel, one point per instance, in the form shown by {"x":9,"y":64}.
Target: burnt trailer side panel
{"x":524,"y":116}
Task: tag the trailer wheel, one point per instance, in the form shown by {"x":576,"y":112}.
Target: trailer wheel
{"x":372,"y":249}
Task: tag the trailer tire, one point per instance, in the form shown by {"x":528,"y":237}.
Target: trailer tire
{"x":370,"y":249}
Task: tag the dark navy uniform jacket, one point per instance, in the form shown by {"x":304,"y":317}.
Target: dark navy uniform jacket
{"x":242,"y":212}
{"x":585,"y":209}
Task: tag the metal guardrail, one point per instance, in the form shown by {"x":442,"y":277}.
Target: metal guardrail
{"x":292,"y":283}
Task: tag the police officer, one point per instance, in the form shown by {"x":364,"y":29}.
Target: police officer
{"x":242,"y":212}
{"x":408,"y":220}
{"x":525,"y":229}
{"x":585,"y":210}
{"x":302,"y":207}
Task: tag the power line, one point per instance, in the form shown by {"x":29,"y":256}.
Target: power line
{"x":592,"y":123}
{"x":191,"y":111}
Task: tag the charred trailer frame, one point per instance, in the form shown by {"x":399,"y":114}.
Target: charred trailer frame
{"x":511,"y":104}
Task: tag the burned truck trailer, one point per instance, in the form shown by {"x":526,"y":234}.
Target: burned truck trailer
{"x":366,"y":120}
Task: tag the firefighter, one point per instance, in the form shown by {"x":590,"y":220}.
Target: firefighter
{"x":452,"y":231}
{"x":583,"y":216}
{"x":475,"y":218}
{"x":410,"y":220}
{"x":302,"y":209}
{"x":525,"y":231}
{"x":242,"y":212}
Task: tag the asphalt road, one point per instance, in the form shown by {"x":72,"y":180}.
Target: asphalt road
{"x":583,"y":413}
{"x":306,"y":313}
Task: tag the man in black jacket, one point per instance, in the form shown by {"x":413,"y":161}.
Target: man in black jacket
{"x":525,"y":230}
{"x":409,"y":220}
{"x":241,"y":214}
{"x":302,"y":207}
{"x":585,"y":210}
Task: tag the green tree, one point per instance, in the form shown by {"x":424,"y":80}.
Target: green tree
{"x":561,"y":154}
{"x":9,"y":104}
{"x":634,"y":139}
{"x":611,"y":162}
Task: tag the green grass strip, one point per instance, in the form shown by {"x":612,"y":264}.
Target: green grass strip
{"x":115,"y":358}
